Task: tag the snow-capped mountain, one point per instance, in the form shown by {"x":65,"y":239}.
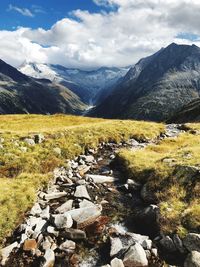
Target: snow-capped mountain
{"x":86,"y":84}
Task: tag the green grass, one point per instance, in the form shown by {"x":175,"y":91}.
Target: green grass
{"x":170,"y":170}
{"x":23,"y":173}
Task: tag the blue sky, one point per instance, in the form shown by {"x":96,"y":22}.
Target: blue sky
{"x":97,"y":33}
{"x":45,"y":12}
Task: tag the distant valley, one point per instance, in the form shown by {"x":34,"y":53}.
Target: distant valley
{"x":162,"y":87}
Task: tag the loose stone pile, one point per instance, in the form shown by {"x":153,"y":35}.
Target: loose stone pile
{"x":73,"y":223}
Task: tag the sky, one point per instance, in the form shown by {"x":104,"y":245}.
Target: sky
{"x":89,"y":34}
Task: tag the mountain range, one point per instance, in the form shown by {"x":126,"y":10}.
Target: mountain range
{"x":86,"y":84}
{"x":162,"y":87}
{"x":156,"y":87}
{"x":22,"y":94}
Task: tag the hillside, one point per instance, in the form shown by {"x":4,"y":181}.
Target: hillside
{"x":156,"y":87}
{"x":188,"y":113}
{"x":25,"y":166}
{"x":84,"y":83}
{"x":21,"y":94}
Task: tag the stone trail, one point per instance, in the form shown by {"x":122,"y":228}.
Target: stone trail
{"x":85,"y":219}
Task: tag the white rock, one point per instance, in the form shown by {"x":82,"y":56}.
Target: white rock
{"x":116,"y":263}
{"x":193,"y":259}
{"x":86,"y":204}
{"x":54,"y":195}
{"x":100,"y":179}
{"x":85,"y":216}
{"x":51,"y":230}
{"x":40,"y":227}
{"x":154,"y":252}
{"x":81,"y":192}
{"x":147,"y":244}
{"x":45,"y":214}
{"x":62,"y":221}
{"x":49,"y":257}
{"x":5,"y":252}
{"x":116,"y":246}
{"x":65,"y":207}
{"x":135,"y":257}
{"x":68,"y":245}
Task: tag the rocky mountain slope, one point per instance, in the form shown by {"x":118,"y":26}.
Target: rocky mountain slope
{"x":86,"y":84}
{"x":22,"y":94}
{"x":156,"y":86}
{"x":188,"y":113}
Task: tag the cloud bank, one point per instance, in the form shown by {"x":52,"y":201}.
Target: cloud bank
{"x":131,"y":29}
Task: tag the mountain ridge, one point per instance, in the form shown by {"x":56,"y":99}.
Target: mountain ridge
{"x":166,"y":82}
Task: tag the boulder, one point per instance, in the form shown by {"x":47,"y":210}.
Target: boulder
{"x":85,"y":216}
{"x":135,"y":257}
{"x":116,"y":263}
{"x":193,"y":259}
{"x":167,"y":244}
{"x":192,"y":242}
{"x":62,"y":221}
{"x":65,"y":207}
{"x":81,"y":192}
{"x":100,"y":179}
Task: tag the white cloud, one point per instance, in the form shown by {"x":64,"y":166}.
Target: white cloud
{"x":120,"y":37}
{"x":23,"y":11}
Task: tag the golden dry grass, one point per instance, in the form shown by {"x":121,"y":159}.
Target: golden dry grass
{"x":23,"y":172}
{"x":171,"y":171}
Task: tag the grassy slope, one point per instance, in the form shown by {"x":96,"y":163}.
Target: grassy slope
{"x":174,"y":182}
{"x":22,"y":173}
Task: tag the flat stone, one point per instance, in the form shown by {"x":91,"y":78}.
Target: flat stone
{"x":45,"y":214}
{"x":193,"y":259}
{"x":51,"y":230}
{"x":135,"y":257}
{"x":65,"y":207}
{"x":5,"y":252}
{"x":100,"y":179}
{"x":36,"y":210}
{"x":68,"y":246}
{"x":40,"y":227}
{"x":81,"y":192}
{"x":85,"y":216}
{"x":117,"y":263}
{"x":74,"y":234}
{"x":55,"y":195}
{"x":116,"y":246}
{"x":86,"y":204}
{"x":192,"y":242}
{"x":62,"y":221}
{"x":29,"y":245}
{"x":49,"y":257}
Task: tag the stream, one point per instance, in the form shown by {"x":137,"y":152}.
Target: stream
{"x":90,"y":215}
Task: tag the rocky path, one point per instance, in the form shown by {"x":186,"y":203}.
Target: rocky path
{"x":86,"y":217}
